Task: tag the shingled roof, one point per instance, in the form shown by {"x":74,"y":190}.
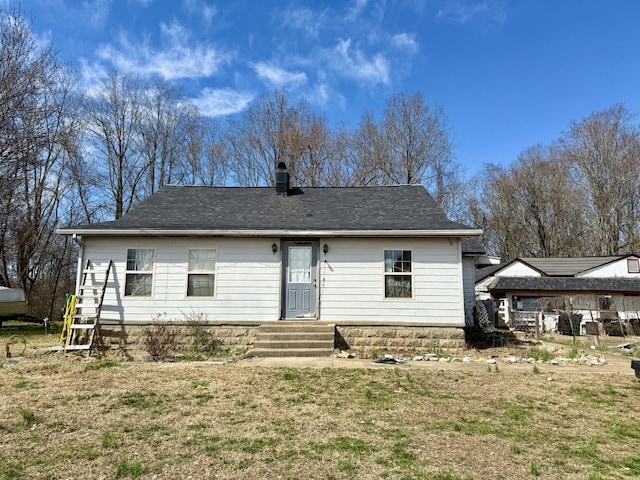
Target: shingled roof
{"x":406,"y":208}
{"x":555,"y":285}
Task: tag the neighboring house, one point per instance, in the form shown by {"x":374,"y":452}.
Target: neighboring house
{"x":597,"y":288}
{"x":350,"y":256}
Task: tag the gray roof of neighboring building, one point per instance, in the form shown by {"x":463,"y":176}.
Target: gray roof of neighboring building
{"x":569,"y":266}
{"x":541,"y":285}
{"x":388,"y":208}
{"x":473,"y":246}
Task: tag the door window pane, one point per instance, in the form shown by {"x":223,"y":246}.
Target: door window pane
{"x":299,"y":264}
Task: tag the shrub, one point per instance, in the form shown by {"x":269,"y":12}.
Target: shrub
{"x":161,"y":340}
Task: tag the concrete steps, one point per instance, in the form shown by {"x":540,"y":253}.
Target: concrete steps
{"x":294,"y":339}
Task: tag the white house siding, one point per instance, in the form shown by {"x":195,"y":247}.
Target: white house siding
{"x":517,"y":269}
{"x":247,"y":282}
{"x":352,"y":281}
{"x":617,"y":269}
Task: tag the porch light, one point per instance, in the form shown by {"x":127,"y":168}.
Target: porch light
{"x":325,"y":249}
{"x":274,"y":248}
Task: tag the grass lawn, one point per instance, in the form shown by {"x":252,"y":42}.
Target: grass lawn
{"x":66,"y":418}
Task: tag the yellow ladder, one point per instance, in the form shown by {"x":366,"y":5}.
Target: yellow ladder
{"x":69,"y":310}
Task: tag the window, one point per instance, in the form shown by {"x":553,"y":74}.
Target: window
{"x":633,"y":265}
{"x":300,"y":264}
{"x":201,"y":273}
{"x":397,"y":274}
{"x":139,"y":275}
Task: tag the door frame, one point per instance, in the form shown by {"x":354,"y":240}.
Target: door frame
{"x":284,"y":260}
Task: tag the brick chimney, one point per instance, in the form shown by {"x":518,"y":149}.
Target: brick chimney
{"x":282,"y":180}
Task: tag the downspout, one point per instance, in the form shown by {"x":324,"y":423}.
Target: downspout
{"x":80,"y":265}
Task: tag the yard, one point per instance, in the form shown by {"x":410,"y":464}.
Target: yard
{"x":66,"y":417}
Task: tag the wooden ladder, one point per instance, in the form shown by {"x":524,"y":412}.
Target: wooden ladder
{"x":83,"y":329}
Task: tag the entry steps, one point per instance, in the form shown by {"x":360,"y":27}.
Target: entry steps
{"x":294,"y":339}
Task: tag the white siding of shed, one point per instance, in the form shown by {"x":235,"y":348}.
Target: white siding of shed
{"x":517,"y":269}
{"x":247,"y":283}
{"x":617,"y":269}
{"x":352,"y":281}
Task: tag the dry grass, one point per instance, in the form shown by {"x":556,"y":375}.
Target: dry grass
{"x":66,"y":418}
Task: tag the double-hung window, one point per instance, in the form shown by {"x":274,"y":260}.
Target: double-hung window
{"x":139,"y":274}
{"x":397,"y":274}
{"x":201,"y":272}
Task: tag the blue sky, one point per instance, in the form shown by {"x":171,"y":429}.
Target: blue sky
{"x":509,"y":74}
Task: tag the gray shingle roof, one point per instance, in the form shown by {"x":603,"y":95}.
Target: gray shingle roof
{"x":550,"y":285}
{"x":405,"y":207}
{"x":567,"y":266}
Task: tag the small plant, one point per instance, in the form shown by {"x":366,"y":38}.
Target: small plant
{"x":200,"y":383}
{"x":202,"y":338}
{"x":535,"y":471}
{"x":539,"y":354}
{"x":573,"y":353}
{"x":109,"y":440}
{"x":28,"y":417}
{"x":129,"y":469}
{"x":515,"y":449}
{"x":373,"y":353}
{"x":101,"y":365}
{"x":497,"y":370}
{"x":290,"y":374}
{"x":536,"y":370}
{"x":161,"y":340}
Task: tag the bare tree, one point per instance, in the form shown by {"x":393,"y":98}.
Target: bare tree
{"x":273,"y":131}
{"x":114,"y":117}
{"x":605,"y":150}
{"x":38,"y":130}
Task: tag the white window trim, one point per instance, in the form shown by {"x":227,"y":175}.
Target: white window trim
{"x":213,"y":272}
{"x":385,"y":273}
{"x":637,"y":262}
{"x":151,"y":272}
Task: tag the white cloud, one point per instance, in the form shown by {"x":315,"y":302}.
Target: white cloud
{"x":98,"y":11}
{"x":357,"y":8}
{"x":177,"y":59}
{"x":464,"y":12}
{"x":303,"y":19}
{"x":278,"y":76}
{"x":405,"y":41}
{"x":352,"y":63}
{"x":219,"y":102}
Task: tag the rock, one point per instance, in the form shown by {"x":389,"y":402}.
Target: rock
{"x":444,"y":359}
{"x":434,"y":359}
{"x":467,"y":359}
{"x":417,"y":358}
{"x":512,"y":359}
{"x":554,"y":362}
{"x":429,"y":356}
{"x":594,"y":361}
{"x":531,"y":360}
{"x":491,"y":361}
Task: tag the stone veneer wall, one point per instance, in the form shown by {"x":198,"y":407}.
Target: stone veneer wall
{"x":360,"y":339}
{"x":234,"y":338}
{"x":395,"y":340}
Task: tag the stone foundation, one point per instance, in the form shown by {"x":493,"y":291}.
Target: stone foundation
{"x":234,"y":338}
{"x":365,"y":340}
{"x":399,"y":340}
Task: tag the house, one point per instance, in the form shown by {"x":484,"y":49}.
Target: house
{"x":383,"y":264}
{"x":597,"y":289}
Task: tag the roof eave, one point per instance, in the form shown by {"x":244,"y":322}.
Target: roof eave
{"x":145,"y":232}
